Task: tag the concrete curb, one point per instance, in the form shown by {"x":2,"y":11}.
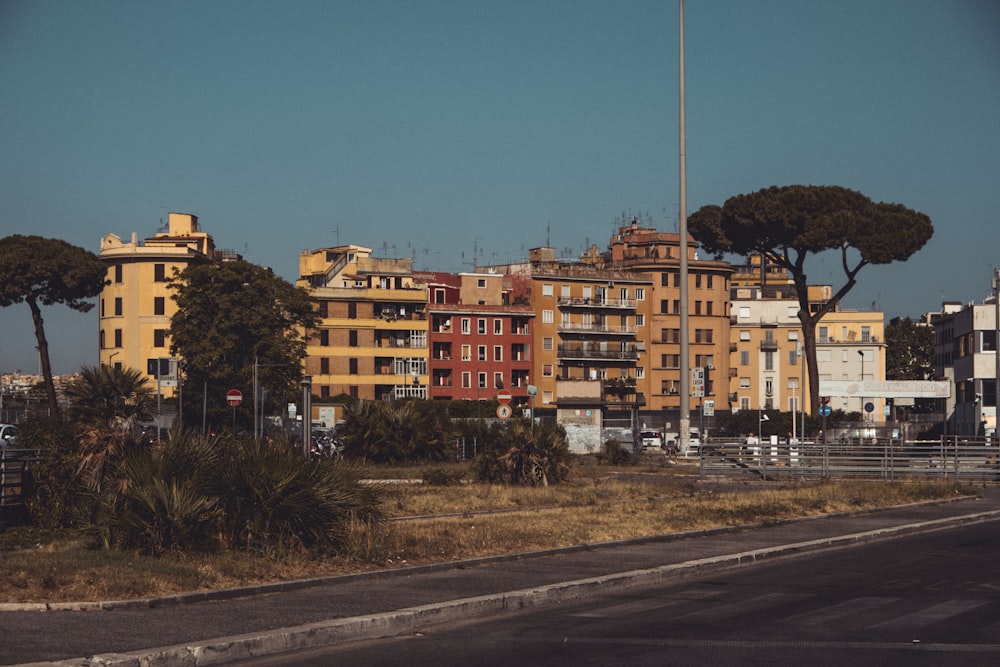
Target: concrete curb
{"x":374,"y":626}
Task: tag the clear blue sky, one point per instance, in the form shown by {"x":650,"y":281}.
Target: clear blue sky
{"x":444,"y":130}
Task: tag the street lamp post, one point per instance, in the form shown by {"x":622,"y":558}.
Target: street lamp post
{"x":861,"y":353}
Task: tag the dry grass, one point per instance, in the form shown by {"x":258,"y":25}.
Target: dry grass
{"x":600,"y":505}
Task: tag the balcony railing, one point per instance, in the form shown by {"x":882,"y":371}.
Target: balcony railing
{"x":588,"y":302}
{"x":585,"y":352}
{"x":597,"y":329}
{"x":769,"y":345}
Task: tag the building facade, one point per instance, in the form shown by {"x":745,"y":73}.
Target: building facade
{"x":372,"y":339}
{"x":135,"y":306}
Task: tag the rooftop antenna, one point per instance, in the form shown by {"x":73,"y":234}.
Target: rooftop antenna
{"x":337,"y":232}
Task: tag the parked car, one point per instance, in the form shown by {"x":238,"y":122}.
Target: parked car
{"x":652,"y":440}
{"x":8,"y":435}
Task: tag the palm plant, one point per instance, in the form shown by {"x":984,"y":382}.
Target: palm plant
{"x":110,"y":396}
{"x":108,"y":402}
{"x":272,"y":498}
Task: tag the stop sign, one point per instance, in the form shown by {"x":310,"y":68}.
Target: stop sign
{"x":234,"y":397}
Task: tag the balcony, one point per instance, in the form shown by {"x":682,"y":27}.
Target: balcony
{"x":578,"y":328}
{"x":595,"y":352}
{"x":596,"y":302}
{"x":769,"y":345}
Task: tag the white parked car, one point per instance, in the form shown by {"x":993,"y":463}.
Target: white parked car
{"x":8,"y":434}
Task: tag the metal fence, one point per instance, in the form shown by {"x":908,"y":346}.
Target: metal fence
{"x":962,"y":459}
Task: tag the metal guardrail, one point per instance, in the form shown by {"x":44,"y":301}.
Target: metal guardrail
{"x":971,"y":460}
{"x":14,"y":465}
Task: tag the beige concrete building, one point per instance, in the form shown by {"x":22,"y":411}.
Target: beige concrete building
{"x":372,"y":340}
{"x":135,"y":305}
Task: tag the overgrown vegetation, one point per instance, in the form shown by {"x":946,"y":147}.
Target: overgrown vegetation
{"x":600,"y":503}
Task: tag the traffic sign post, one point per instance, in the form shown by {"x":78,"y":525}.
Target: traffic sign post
{"x":234,"y":397}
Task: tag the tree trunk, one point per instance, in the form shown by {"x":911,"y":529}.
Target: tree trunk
{"x":43,"y":355}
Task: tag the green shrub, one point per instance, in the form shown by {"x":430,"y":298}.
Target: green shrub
{"x":521,"y":452}
{"x":613,"y":453}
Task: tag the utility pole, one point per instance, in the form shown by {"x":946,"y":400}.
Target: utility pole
{"x":685,"y":397}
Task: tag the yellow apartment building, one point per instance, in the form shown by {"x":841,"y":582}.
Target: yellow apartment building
{"x":372,"y":339}
{"x":769,"y":372}
{"x":657,"y":254}
{"x":135,"y":305}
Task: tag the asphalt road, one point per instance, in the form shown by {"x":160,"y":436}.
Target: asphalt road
{"x":927,"y":599}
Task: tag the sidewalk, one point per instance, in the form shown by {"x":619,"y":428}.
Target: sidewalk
{"x":221,"y":626}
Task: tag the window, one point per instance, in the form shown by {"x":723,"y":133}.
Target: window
{"x":866,"y":334}
{"x":744,"y":383}
{"x":640,"y":372}
{"x":118,"y":306}
{"x":744,"y":403}
{"x":823,"y":355}
{"x":768,"y":386}
{"x":547,"y":289}
{"x":769,"y":360}
{"x":118,"y":337}
{"x":709,"y":280}
{"x":159,"y":305}
{"x":640,"y":320}
{"x":664,"y":306}
{"x":547,"y":317}
{"x":793,"y":335}
{"x":324,"y":366}
{"x":744,"y":334}
{"x":324,"y":337}
{"x":564,"y":291}
{"x":566,"y":319}
{"x":438,"y":295}
{"x":670,"y":360}
{"x":352,"y":366}
{"x":793,"y":311}
{"x":466,"y":353}
{"x":697,"y":307}
{"x":352,"y":338}
{"x":160,"y":273}
{"x":640,"y":293}
{"x":744,"y":311}
{"x":547,"y":370}
{"x":547,"y":343}
{"x":466,"y":326}
{"x":498,"y":380}
{"x":745,"y":358}
{"x":697,"y":280}
{"x":481,"y":283}
{"x":824,"y":334}
{"x":118,"y":273}
{"x":587,"y":291}
{"x":481,"y":350}
{"x":497,"y":327}
{"x":677,"y":306}
{"x":466,"y":380}
{"x":498,"y":353}
{"x":352,"y":311}
{"x":481,"y":327}
{"x":159,"y":337}
{"x":677,"y":279}
{"x":482,"y":380}
{"x":664,"y":280}
{"x":793,"y":357}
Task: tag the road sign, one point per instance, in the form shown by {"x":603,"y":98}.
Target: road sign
{"x":825,"y":400}
{"x":708,"y":409}
{"x":697,"y":382}
{"x":504,"y":399}
{"x":869,"y":407}
{"x":234,"y":397}
{"x":824,"y":411}
{"x":504,"y":411}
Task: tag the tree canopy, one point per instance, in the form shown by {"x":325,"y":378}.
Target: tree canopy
{"x":230,"y":317}
{"x":909,"y":351}
{"x":784,"y":225}
{"x":42,"y":272}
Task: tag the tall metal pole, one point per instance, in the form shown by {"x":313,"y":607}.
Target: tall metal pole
{"x":685,"y":404}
